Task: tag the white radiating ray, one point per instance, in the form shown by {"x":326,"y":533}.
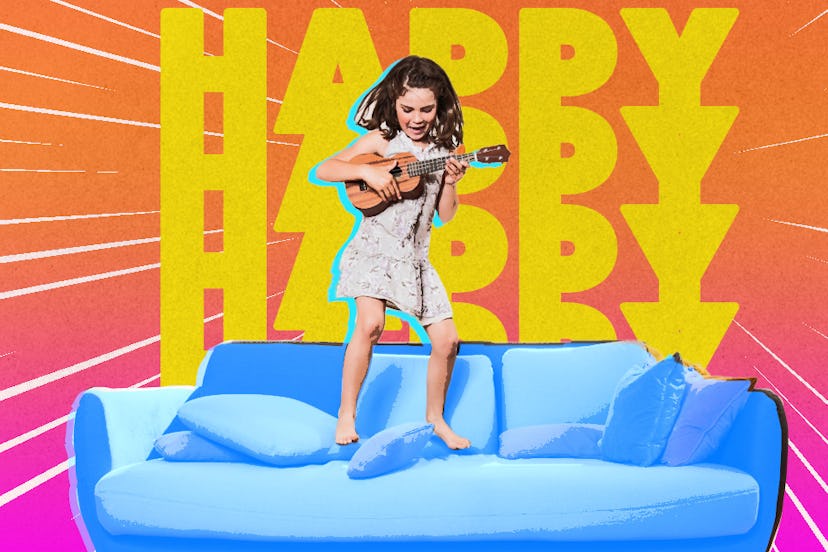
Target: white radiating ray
{"x":793,"y":406}
{"x":87,"y":116}
{"x":74,"y":281}
{"x":30,"y":220}
{"x":784,"y":364}
{"x":283,"y":143}
{"x":105,"y":18}
{"x":78,"y":47}
{"x":282,"y":46}
{"x":36,"y":481}
{"x":21,"y":388}
{"x":73,"y":250}
{"x":145,"y":381}
{"x":18,"y":257}
{"x":280,"y":241}
{"x":5,"y":141}
{"x":809,"y":467}
{"x":798,"y":225}
{"x":784,"y":143}
{"x":58,"y":171}
{"x":29,"y":435}
{"x":42,"y":76}
{"x":807,"y":517}
{"x":52,"y":472}
{"x":335,"y":3}
{"x":221,"y":135}
{"x":809,"y":23}
{"x":71,"y":114}
{"x":816,"y":331}
{"x":43,"y":170}
{"x":274,"y":100}
{"x":221,"y":18}
{"x":816,"y":259}
{"x":202,"y":8}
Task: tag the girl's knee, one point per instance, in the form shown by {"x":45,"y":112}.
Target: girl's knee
{"x":371,"y":328}
{"x":446,"y":345}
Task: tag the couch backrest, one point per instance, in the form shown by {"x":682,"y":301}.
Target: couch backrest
{"x":309,"y":372}
{"x":494,"y":386}
{"x":393,"y":391}
{"x":565,"y":384}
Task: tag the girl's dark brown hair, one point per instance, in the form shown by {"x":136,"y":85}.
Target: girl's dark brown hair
{"x":377,"y":110}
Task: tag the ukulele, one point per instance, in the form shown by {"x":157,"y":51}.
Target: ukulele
{"x":407,"y":173}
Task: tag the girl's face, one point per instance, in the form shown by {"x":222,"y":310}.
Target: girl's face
{"x":416,"y":112}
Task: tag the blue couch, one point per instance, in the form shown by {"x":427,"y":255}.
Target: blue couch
{"x":130,"y":499}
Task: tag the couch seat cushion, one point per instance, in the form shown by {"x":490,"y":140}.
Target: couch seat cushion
{"x":467,"y":497}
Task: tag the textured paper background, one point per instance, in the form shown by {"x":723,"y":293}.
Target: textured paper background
{"x":80,"y":200}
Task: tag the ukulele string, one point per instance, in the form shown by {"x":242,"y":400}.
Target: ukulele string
{"x":432,"y":165}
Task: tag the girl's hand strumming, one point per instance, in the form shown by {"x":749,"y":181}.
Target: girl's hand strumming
{"x":379,"y":178}
{"x":454,"y":171}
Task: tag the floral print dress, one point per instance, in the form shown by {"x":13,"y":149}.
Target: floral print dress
{"x":388,"y":256}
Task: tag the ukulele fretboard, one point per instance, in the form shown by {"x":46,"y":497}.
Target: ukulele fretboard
{"x":427,"y":166}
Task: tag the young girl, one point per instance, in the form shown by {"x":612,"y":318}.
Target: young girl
{"x":413,"y":109}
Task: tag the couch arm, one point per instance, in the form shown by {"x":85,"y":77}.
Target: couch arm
{"x":758,"y":444}
{"x":115,"y":427}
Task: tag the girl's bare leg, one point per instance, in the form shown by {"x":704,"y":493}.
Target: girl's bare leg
{"x":444,"y":343}
{"x":370,"y":322}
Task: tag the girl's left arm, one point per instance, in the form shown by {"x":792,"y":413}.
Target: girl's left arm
{"x":449,"y":201}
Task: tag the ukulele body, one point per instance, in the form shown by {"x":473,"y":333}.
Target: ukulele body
{"x":364,"y":198}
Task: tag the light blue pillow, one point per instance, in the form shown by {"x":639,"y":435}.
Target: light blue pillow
{"x":643,"y":411}
{"x":276,"y":430}
{"x":706,"y":416}
{"x":187,"y":446}
{"x":552,"y":441}
{"x":391,"y":449}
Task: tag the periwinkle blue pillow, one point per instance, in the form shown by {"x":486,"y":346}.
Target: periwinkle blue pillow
{"x":276,"y":430}
{"x":706,"y":416}
{"x":552,"y":441}
{"x":389,"y":450}
{"x":642,"y":413}
{"x":188,"y":446}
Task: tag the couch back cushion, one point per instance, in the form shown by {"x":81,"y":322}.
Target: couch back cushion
{"x":556,"y":385}
{"x":394,"y":392}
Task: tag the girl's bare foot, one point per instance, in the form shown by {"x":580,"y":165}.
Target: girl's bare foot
{"x":346,"y":431}
{"x":452,"y":440}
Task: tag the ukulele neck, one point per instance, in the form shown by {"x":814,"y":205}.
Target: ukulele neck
{"x":419,"y":168}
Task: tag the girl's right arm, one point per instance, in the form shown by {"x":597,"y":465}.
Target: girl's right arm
{"x":339,"y":168}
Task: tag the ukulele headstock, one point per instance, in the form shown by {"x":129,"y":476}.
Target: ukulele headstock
{"x":493,"y":154}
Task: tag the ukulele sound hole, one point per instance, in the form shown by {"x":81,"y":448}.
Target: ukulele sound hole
{"x":396,"y":172}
